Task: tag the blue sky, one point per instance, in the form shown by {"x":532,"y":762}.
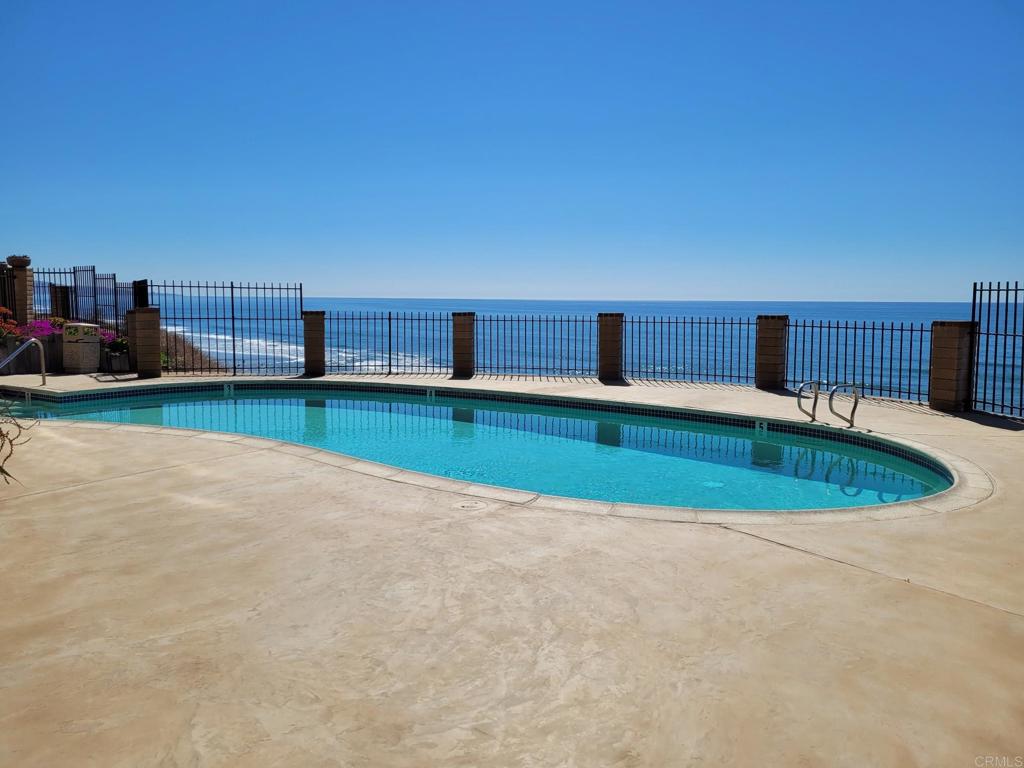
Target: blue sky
{"x":677,"y":150}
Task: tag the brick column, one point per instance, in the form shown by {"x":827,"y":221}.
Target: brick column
{"x":770,"y":352}
{"x":144,"y":325}
{"x":950,"y":374}
{"x":463,"y":345}
{"x":313,"y":333}
{"x":609,"y":346}
{"x":24,"y":288}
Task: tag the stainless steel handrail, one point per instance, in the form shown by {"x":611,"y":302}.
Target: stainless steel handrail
{"x":856,"y":401}
{"x":800,"y":395}
{"x":42,"y":356}
{"x":832,"y":390}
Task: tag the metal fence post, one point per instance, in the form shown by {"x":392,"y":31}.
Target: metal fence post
{"x":770,"y":351}
{"x":389,"y":343}
{"x":609,"y":347}
{"x":234,"y":360}
{"x":140,"y":293}
{"x":114,"y":300}
{"x":7,"y":297}
{"x":976,"y":320}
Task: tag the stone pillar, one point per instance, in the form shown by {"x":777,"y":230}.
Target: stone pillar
{"x":770,"y":351}
{"x":313,"y":333}
{"x":463,"y":345}
{"x":144,"y":326}
{"x":951,"y":372}
{"x":140,"y":293}
{"x":24,"y":295}
{"x":609,"y":347}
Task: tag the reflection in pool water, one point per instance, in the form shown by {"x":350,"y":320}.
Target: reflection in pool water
{"x":554,"y":450}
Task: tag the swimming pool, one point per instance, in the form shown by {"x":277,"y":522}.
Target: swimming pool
{"x":559,"y":447}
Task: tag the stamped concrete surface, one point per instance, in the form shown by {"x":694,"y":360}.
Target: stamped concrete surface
{"x":183,"y":599}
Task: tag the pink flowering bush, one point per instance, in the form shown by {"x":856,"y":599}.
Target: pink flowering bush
{"x":41,"y":329}
{"x":54,"y":326}
{"x":113,"y":342}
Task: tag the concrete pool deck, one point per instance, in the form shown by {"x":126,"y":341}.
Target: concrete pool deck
{"x":175,"y":598}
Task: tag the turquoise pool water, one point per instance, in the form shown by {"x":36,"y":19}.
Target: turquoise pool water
{"x":553,"y":450}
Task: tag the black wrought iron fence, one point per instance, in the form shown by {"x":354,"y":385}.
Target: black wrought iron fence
{"x":717,"y":349}
{"x":113,"y":300}
{"x":68,"y":292}
{"x":230,"y":328}
{"x":536,"y":345}
{"x":884,"y":359}
{"x":6,"y":287}
{"x":386,"y":343}
{"x":124,"y":301}
{"x":256,"y":328}
{"x":998,"y":309}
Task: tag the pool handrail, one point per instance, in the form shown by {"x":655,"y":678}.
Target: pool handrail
{"x":856,"y":400}
{"x":817,"y":384}
{"x":28,"y":343}
{"x":813,"y":413}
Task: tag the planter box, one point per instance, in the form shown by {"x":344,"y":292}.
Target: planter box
{"x":114,"y":362}
{"x":28,"y":361}
{"x":81,"y":348}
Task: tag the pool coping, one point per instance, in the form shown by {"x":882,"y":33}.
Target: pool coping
{"x":970,"y":483}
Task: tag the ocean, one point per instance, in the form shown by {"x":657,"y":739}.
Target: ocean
{"x":898,"y":312}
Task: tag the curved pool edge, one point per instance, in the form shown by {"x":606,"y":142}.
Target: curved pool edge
{"x":970,"y":483}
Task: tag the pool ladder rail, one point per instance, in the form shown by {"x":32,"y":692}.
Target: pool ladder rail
{"x":816,"y":387}
{"x":29,"y":343}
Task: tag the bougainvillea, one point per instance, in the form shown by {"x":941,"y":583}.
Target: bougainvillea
{"x":54,"y":326}
{"x":41,"y":329}
{"x":118,"y":344}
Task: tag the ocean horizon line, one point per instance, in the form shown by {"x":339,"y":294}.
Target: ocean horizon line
{"x":638,"y":301}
